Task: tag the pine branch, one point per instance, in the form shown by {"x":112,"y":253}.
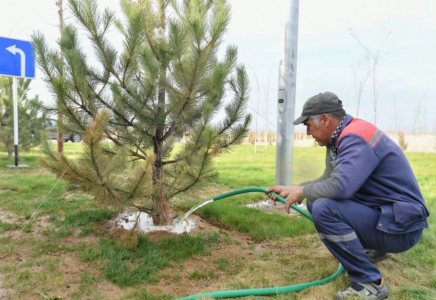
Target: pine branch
{"x":142,"y":208}
{"x":120,"y":115}
{"x":60,"y":96}
{"x":195,"y":178}
{"x":118,"y":143}
{"x":234,"y":110}
{"x":168,"y":162}
{"x":41,"y":50}
{"x":238,"y":133}
{"x":134,"y":39}
{"x":90,"y":25}
{"x":173,"y":125}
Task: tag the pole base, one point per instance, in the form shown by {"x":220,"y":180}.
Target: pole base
{"x":19,"y":166}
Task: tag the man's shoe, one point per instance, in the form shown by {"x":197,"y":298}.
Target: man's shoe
{"x":376,"y":256}
{"x":368,"y":290}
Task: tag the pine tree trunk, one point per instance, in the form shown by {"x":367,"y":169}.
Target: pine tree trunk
{"x":162,"y":208}
{"x":161,"y":214}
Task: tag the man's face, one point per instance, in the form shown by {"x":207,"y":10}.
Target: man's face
{"x":321,"y":134}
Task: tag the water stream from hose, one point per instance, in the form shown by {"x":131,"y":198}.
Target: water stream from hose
{"x":186,"y":215}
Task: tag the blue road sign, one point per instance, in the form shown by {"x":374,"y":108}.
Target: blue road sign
{"x":16,"y":58}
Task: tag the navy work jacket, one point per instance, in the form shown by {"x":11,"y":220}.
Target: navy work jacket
{"x":372,"y":170}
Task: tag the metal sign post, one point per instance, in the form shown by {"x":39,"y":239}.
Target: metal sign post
{"x":16,"y":60}
{"x":286,"y":95}
{"x":15,"y":92}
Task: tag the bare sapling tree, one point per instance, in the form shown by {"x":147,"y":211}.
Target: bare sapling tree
{"x":375,"y":59}
{"x":166,"y":81}
{"x":420,"y":114}
{"x":417,"y":116}
{"x":267,"y":95}
{"x":266,"y":91}
{"x":257,"y":108}
{"x":396,"y":115}
{"x":399,"y":129}
{"x":360,"y":77}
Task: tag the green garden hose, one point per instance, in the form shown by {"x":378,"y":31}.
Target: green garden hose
{"x":264,"y":291}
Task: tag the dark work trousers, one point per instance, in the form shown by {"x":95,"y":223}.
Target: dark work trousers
{"x":347,"y":228}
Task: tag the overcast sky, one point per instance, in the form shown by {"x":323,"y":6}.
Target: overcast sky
{"x":326,"y":52}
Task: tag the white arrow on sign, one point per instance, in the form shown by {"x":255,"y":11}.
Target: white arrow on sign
{"x":14,"y":50}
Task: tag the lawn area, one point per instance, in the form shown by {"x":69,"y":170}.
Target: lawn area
{"x":56,"y":241}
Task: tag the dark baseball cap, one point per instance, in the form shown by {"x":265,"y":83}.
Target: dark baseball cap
{"x":322,"y":103}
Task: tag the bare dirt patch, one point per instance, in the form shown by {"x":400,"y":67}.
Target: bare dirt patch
{"x":42,"y":222}
{"x":8,"y":217}
{"x":3,"y":292}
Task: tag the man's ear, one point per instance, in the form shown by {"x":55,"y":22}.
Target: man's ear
{"x":324,"y":120}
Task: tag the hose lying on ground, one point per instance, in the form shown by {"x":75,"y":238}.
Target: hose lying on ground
{"x":264,"y":291}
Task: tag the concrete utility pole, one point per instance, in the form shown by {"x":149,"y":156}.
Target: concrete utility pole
{"x":286,"y":101}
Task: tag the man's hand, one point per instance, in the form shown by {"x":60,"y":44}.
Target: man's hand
{"x":296,"y":196}
{"x":281,"y":190}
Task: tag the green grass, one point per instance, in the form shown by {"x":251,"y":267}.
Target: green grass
{"x":7,"y":226}
{"x":282,"y":250}
{"x":416,"y":293}
{"x":258,"y":224}
{"x":31,"y":158}
{"x":241,"y":167}
{"x":199,"y":274}
{"x":131,"y":265}
{"x":185,"y":246}
{"x":229,"y":266}
{"x":127,"y":266}
{"x":86,"y":217}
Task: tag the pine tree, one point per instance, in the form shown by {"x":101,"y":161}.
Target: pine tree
{"x":167,"y":81}
{"x":31,"y":117}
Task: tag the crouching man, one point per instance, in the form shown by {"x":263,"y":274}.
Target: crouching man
{"x":367,"y":203}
